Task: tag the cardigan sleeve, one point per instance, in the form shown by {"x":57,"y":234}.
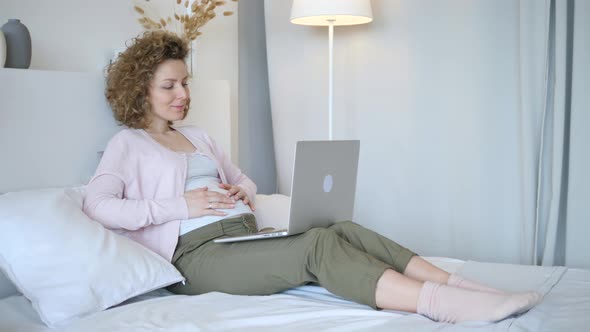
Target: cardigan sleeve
{"x":105,"y":201}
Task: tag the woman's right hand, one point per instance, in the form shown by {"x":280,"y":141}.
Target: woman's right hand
{"x":202,"y":202}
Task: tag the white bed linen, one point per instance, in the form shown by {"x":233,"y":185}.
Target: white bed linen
{"x":312,"y":308}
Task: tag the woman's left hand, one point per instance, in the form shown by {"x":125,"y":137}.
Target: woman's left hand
{"x":236,"y":193}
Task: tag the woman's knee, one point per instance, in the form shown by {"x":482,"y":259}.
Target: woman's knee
{"x":316,"y":235}
{"x":344,"y":227}
{"x":344,"y":224}
{"x":320,"y":246}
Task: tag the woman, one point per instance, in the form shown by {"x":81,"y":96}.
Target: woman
{"x":174,"y":190}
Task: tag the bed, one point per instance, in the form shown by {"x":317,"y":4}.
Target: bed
{"x":68,"y":164}
{"x":311,"y":308}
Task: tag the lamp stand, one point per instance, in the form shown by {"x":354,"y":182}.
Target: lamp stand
{"x":330,"y":77}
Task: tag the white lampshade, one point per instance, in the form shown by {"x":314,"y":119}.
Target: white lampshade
{"x":320,"y":12}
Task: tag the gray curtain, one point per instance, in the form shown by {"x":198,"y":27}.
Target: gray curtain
{"x":578,"y":209}
{"x":256,"y":147}
{"x":554,"y":159}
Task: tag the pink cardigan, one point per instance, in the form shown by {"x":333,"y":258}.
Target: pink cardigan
{"x":138,"y":186}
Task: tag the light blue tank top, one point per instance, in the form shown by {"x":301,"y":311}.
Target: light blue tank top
{"x":202,"y":172}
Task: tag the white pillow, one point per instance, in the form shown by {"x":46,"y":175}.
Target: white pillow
{"x":7,"y":288}
{"x":68,"y":265}
{"x":272,"y":211}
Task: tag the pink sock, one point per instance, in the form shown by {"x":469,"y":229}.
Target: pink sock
{"x":458,"y":281}
{"x":444,"y":303}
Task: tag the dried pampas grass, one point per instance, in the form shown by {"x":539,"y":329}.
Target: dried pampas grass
{"x":188,"y":17}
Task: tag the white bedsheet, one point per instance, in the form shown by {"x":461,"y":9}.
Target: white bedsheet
{"x":311,"y":308}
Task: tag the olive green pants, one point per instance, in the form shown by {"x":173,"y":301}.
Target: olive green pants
{"x":346,"y":258}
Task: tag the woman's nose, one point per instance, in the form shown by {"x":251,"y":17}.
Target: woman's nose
{"x":182,"y":93}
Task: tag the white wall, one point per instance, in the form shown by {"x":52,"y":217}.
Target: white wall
{"x":72,"y":35}
{"x":431,"y":90}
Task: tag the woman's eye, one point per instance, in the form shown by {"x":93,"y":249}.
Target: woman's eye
{"x":185,"y":84}
{"x":167,"y":87}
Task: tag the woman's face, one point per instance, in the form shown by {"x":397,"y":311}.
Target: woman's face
{"x":168,"y":91}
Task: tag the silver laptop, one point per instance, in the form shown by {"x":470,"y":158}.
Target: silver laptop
{"x":324,"y":183}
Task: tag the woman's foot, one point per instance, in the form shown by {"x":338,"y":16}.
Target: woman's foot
{"x":458,"y":281}
{"x":444,"y":303}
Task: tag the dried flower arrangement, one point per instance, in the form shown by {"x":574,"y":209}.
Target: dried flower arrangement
{"x":183,"y":21}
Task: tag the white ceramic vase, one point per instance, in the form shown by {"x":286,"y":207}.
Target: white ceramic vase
{"x":2,"y":49}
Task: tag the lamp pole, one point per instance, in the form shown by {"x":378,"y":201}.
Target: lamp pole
{"x":330,"y":77}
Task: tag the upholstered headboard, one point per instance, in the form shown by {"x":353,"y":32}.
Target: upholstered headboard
{"x":54,"y":126}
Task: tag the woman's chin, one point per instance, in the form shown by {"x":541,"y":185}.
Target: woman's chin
{"x":177,"y":116}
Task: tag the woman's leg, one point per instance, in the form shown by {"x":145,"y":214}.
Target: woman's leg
{"x":270,"y":266}
{"x":400,"y":258}
{"x":395,"y":291}
{"x":444,"y":303}
{"x":374,"y":244}
{"x":320,"y":255}
{"x":422,"y":270}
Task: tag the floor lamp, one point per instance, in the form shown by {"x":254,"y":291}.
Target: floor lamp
{"x":331,"y":13}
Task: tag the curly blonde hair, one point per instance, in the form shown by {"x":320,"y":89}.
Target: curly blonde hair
{"x":128,"y":77}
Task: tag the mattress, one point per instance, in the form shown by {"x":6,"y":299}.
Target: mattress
{"x":566,"y":307}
